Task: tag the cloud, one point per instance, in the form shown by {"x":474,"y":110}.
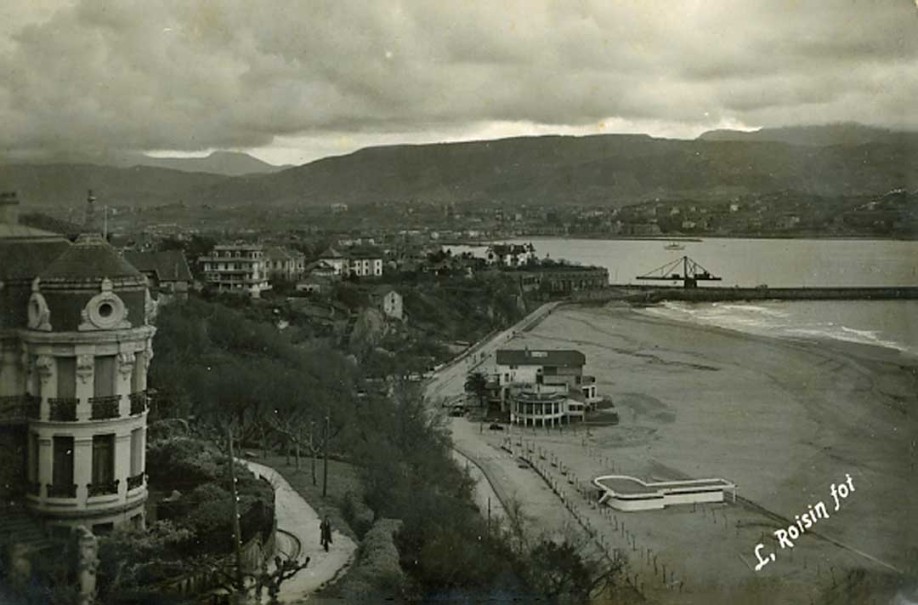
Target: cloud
{"x":95,"y":76}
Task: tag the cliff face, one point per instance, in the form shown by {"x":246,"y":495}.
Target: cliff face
{"x":369,"y":330}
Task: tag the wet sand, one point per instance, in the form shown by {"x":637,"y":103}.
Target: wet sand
{"x":784,"y":420}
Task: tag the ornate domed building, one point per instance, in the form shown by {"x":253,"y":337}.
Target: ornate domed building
{"x":75,"y":343}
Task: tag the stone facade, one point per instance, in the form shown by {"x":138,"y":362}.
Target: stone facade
{"x":75,"y":345}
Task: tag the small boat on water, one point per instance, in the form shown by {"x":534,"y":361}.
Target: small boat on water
{"x":674,"y":246}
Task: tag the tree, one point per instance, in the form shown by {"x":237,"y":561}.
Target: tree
{"x":284,"y":569}
{"x":560,"y":573}
{"x":299,"y":428}
{"x":476,"y":383}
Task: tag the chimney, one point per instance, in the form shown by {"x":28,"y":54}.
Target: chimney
{"x":9,"y":208}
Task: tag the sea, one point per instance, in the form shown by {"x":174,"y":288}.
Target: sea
{"x":771,"y":262}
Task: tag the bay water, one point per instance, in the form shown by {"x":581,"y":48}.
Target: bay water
{"x":772,"y":262}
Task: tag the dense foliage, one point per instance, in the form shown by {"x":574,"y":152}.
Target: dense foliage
{"x":194,"y":526}
{"x":462,"y":308}
{"x":224,"y":368}
{"x":214,"y":364}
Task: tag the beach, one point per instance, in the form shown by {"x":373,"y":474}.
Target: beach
{"x":785,"y":420}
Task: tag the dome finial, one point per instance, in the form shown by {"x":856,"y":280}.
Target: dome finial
{"x":89,"y":219}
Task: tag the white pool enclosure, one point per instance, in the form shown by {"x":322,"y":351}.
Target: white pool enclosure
{"x":626,"y":493}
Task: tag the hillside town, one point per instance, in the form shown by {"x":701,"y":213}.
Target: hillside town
{"x":93,"y":410}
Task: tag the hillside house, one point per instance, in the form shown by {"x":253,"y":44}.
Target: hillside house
{"x":284,"y":263}
{"x":365,"y":261}
{"x":359,"y":261}
{"x":510,"y":255}
{"x":390,"y":303}
{"x":236,"y":268}
{"x":335,"y":261}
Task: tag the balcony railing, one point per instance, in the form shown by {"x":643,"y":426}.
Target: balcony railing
{"x":61,"y":491}
{"x":15,"y":409}
{"x":63,"y":409}
{"x":139,"y":402}
{"x":135,"y":481}
{"x":104,"y":407}
{"x":103,"y":488}
{"x":32,"y":406}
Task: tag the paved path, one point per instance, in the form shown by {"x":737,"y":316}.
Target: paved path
{"x":497,"y":474}
{"x":449,"y":382}
{"x":294,"y":515}
{"x":490,"y":504}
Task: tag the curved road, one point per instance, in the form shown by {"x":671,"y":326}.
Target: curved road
{"x":449,"y":382}
{"x":297,"y":518}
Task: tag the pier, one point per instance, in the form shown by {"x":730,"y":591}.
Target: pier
{"x":654,"y":294}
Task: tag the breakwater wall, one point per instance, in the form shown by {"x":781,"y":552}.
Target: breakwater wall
{"x":650,"y":294}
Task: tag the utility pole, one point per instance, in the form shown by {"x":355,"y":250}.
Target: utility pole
{"x":237,"y":531}
{"x":325,"y":470}
{"x":312,"y":446}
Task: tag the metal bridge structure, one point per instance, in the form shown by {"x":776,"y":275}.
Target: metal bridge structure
{"x":682,"y":269}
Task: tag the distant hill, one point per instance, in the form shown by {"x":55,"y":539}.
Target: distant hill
{"x":66,"y":184}
{"x":848,"y":134}
{"x":611,"y":170}
{"x":227,"y":163}
{"x":598,"y":170}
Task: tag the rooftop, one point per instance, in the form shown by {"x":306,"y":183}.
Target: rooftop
{"x":17,"y":231}
{"x":25,"y":259}
{"x":536,"y":396}
{"x":530,"y":357}
{"x":238,"y":246}
{"x":168,"y":265}
{"x":331,"y":253}
{"x":90,"y":257}
{"x":279,"y":253}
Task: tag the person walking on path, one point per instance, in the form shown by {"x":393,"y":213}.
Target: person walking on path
{"x":325,"y":533}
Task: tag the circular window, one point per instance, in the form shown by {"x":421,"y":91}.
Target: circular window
{"x":105,"y":311}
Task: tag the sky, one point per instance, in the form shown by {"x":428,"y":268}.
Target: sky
{"x":291,"y":81}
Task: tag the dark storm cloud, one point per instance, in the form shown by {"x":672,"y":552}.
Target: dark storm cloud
{"x":235,"y":73}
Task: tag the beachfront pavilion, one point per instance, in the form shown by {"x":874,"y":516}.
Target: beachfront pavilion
{"x":542,"y":409}
{"x":541,"y":370}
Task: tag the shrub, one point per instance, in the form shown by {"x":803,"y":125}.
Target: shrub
{"x":356,"y":513}
{"x":376,"y":575}
{"x":181,"y":463}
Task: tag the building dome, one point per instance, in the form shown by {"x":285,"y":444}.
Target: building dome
{"x":91,"y":287}
{"x":90,"y":259}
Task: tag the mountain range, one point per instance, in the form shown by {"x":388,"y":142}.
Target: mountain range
{"x":613,"y":170}
{"x":847,"y":134}
{"x":226,"y":163}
